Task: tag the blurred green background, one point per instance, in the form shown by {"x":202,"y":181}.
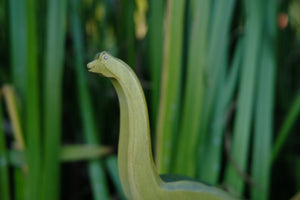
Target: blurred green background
{"x":221,"y":78}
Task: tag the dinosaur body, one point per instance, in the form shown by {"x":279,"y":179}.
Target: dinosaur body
{"x":138,"y":174}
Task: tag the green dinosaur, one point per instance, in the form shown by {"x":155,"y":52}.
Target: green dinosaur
{"x":138,"y":174}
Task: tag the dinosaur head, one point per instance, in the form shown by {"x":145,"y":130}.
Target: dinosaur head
{"x":99,"y":65}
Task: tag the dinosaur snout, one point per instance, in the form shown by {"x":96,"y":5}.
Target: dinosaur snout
{"x":91,"y":66}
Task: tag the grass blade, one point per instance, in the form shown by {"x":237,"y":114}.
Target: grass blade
{"x":211,"y":163}
{"x":54,"y":55}
{"x":68,"y":153}
{"x":112,"y":167}
{"x":242,"y":124}
{"x":170,"y":84}
{"x":217,"y":47}
{"x":19,"y":184}
{"x":71,"y":153}
{"x":19,"y":62}
{"x":4,"y":175}
{"x":14,"y":115}
{"x":127,"y":32}
{"x":261,"y":165}
{"x":263,"y":125}
{"x":155,"y":35}
{"x":20,"y":192}
{"x":18,"y":45}
{"x":185,"y":160}
{"x":96,"y":170}
{"x":298,"y":173}
{"x":286,"y":127}
{"x":214,"y":74}
{"x":33,"y":128}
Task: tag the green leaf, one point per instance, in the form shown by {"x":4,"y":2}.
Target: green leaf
{"x":112,"y":167}
{"x":261,"y":167}
{"x":286,"y":127}
{"x":33,"y":119}
{"x":4,"y":173}
{"x":68,"y":153}
{"x":95,"y":167}
{"x":264,"y":113}
{"x":243,"y":119}
{"x":18,"y":45}
{"x":169,"y":104}
{"x":52,"y":94}
{"x":83,"y":152}
{"x":211,"y":164}
{"x":188,"y":138}
{"x":156,"y":18}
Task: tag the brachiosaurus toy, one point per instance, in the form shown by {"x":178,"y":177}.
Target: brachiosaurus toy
{"x":138,"y":174}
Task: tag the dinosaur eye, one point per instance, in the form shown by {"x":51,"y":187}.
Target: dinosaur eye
{"x":105,"y":57}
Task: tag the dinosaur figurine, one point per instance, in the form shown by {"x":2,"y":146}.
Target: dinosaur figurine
{"x":138,"y":174}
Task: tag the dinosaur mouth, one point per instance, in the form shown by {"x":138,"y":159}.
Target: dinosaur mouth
{"x":90,"y":66}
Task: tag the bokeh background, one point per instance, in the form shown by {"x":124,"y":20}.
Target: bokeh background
{"x":221,"y":78}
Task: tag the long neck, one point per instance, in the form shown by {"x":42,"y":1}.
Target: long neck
{"x":136,"y":166}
